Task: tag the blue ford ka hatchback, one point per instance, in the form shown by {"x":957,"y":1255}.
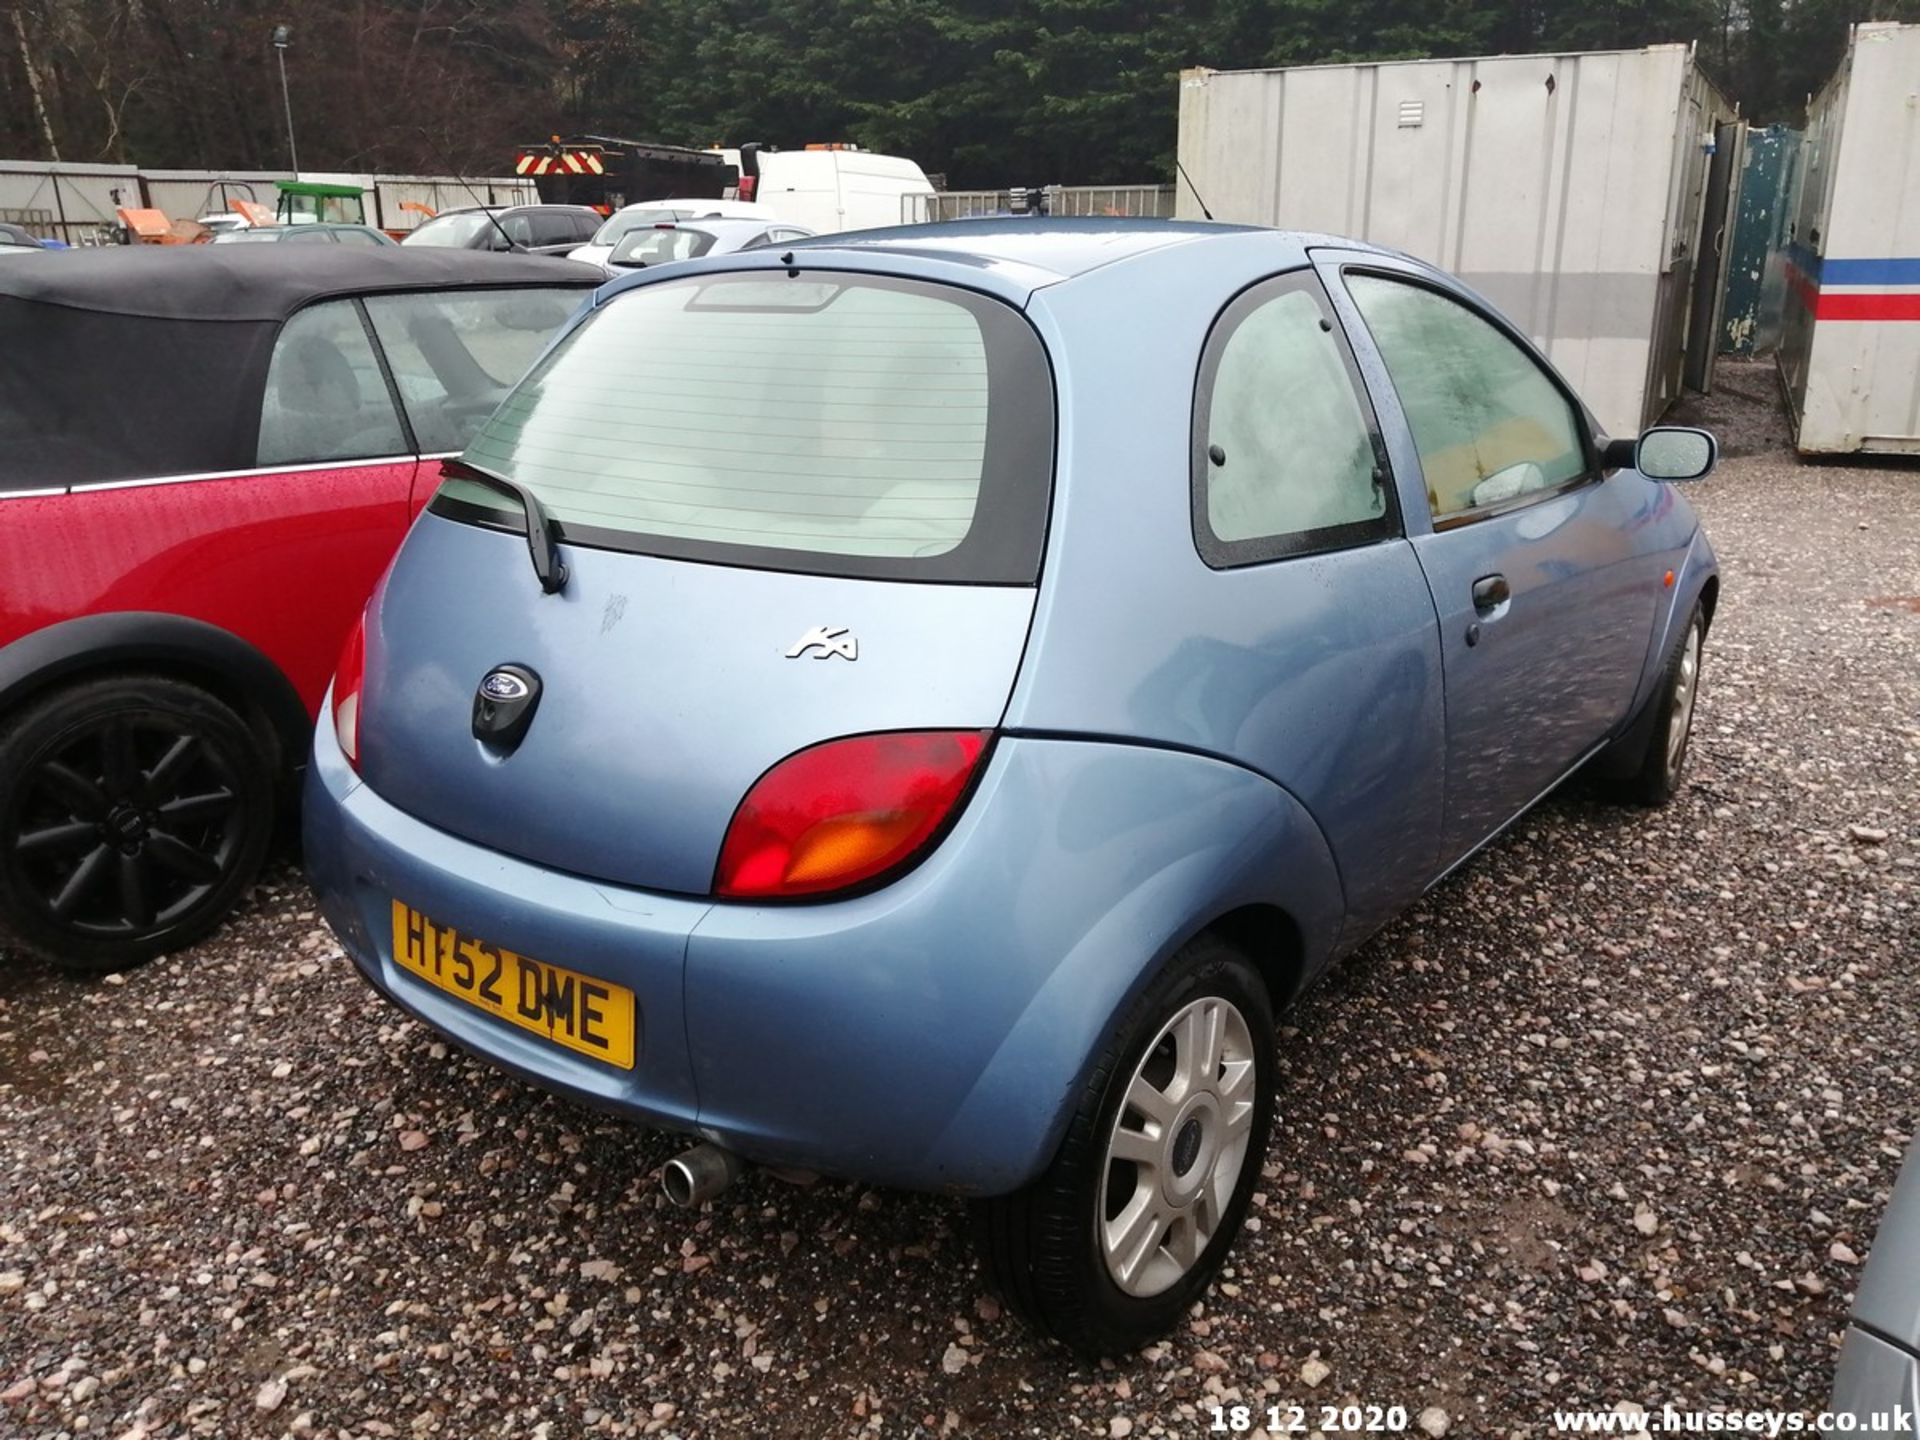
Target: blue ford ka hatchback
{"x":916,"y":705}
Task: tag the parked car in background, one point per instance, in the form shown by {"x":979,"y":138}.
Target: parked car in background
{"x":17,"y":240}
{"x":943,"y":780}
{"x":689,"y":239}
{"x":540,"y":229}
{"x":647,"y":214}
{"x":225,"y":222}
{"x":210,"y":456}
{"x":315,"y":233}
{"x":1879,"y":1373}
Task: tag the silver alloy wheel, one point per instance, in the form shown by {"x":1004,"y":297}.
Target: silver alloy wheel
{"x":1177,"y":1149}
{"x":1686,"y":686}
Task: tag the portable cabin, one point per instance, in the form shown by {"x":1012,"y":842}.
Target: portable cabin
{"x":1572,"y":190}
{"x":1850,"y":340}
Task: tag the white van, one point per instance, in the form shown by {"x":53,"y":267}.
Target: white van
{"x":829,"y":188}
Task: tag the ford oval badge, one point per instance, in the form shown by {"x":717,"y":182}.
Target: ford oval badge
{"x":505,"y":685}
{"x":503,"y":707}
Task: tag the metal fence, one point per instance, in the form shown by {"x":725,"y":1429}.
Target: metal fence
{"x":1146,"y":200}
{"x":79,"y":203}
{"x":40,"y":224}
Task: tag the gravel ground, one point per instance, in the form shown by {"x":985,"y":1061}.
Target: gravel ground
{"x":1611,"y":1117}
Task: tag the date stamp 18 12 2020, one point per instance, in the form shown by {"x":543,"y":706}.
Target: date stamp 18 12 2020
{"x":1305,"y":1419}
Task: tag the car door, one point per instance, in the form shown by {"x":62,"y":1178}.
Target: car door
{"x":1546,"y":602}
{"x":283,"y":553}
{"x":1331,"y":682}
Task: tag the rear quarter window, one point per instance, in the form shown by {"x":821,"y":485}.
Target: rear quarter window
{"x":848,"y":425}
{"x":455,"y":354}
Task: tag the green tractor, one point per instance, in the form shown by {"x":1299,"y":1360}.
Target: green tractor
{"x":304,"y":201}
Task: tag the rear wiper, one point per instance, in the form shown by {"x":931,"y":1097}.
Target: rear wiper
{"x":545,"y":554}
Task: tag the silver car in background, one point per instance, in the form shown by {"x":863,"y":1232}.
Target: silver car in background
{"x":669,"y":240}
{"x":1879,"y":1372}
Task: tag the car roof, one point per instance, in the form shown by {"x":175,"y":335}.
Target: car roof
{"x":319,"y":227}
{"x":1050,"y":249}
{"x":263,"y":282}
{"x":503,"y":209}
{"x":1060,"y":247}
{"x":715,"y":207}
{"x":719,"y":225}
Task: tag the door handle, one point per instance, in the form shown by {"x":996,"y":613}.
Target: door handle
{"x":1490,"y":592}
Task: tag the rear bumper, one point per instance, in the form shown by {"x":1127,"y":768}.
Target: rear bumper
{"x":362,"y":854}
{"x":930,"y":1035}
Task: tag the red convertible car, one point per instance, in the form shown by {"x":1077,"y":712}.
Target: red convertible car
{"x":206,"y":461}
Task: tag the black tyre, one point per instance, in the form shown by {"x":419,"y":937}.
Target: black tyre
{"x":1132,"y":1220}
{"x":1656,"y":780}
{"x":134,"y":811}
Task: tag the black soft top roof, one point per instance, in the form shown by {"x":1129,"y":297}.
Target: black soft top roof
{"x":263,"y":282}
{"x":117,"y":364}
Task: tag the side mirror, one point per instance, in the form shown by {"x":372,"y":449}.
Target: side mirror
{"x":1666,"y":452}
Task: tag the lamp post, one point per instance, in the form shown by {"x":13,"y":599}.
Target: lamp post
{"x":283,"y":37}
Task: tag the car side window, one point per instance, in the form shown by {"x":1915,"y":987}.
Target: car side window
{"x":585,"y":227}
{"x":1490,"y":425}
{"x":516,"y":229}
{"x":456,"y":354}
{"x":355,"y":237}
{"x":326,"y":398}
{"x":1286,"y":459}
{"x":552,"y":227}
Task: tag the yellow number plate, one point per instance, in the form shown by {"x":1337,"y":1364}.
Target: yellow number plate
{"x":594,"y":1017}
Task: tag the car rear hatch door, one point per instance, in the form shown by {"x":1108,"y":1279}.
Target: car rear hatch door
{"x":786,"y":520}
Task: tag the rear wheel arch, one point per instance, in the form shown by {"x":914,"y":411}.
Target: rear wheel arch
{"x":1271,"y":939}
{"x":176,"y":647}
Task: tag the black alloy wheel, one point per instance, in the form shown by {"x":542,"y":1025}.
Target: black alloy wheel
{"x":133,"y":812}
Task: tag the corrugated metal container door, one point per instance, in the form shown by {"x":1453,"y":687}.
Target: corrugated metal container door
{"x":1851,"y":353}
{"x":1755,"y":281}
{"x":1565,"y":187}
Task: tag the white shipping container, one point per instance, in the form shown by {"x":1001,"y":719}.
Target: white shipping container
{"x":1850,"y":337}
{"x":1568,"y":189}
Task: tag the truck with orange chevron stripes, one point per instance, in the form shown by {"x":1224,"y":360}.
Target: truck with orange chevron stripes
{"x":607,"y":172}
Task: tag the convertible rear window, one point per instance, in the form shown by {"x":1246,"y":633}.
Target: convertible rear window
{"x":850,"y":425}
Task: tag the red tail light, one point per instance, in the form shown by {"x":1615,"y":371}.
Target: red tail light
{"x":748,"y":184}
{"x":840,"y":813}
{"x":349,"y":679}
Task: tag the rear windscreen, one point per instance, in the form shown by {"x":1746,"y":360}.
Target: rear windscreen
{"x":660,"y":244}
{"x":849,"y":425}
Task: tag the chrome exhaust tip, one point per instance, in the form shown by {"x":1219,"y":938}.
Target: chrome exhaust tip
{"x":696,"y":1176}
